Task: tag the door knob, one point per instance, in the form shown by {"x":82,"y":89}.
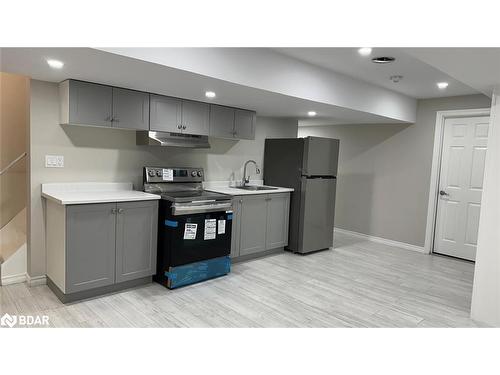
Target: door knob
{"x":443,"y":193}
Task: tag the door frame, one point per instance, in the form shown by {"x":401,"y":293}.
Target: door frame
{"x":441,"y":117}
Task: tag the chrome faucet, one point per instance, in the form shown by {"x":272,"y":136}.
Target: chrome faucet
{"x":246,"y":179}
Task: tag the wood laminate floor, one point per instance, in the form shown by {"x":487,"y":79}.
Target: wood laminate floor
{"x":358,"y":284}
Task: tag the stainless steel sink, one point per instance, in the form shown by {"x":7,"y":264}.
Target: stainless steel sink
{"x":254,"y":187}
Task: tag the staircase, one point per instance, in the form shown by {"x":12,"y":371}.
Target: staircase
{"x":14,"y":117}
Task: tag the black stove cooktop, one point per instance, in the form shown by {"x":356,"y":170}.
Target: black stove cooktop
{"x":193,"y":196}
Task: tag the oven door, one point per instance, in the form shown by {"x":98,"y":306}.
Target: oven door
{"x":196,"y":236}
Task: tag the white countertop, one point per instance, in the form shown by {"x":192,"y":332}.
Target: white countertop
{"x":94,"y":192}
{"x":226,"y":187}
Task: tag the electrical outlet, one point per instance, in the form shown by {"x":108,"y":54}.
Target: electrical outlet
{"x":54,"y":161}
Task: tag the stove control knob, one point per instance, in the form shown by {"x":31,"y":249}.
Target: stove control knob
{"x":151,"y":173}
{"x":158,"y":173}
{"x":200,"y":174}
{"x":193,"y":173}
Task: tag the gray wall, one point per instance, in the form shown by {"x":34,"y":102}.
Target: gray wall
{"x":384,"y":171}
{"x":96,"y":154}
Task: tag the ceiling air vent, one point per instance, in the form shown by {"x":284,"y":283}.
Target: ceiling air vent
{"x":383,"y":60}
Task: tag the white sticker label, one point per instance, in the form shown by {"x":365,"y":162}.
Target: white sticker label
{"x":221,"y":227}
{"x":168,"y":174}
{"x":210,"y":227}
{"x":190,"y":231}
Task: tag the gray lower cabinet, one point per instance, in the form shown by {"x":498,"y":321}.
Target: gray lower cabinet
{"x":130,"y":109}
{"x":278,"y":208}
{"x":84,"y":103}
{"x":260,"y":223}
{"x":90,"y":246}
{"x":253,"y":224}
{"x":236,"y":227}
{"x":136,"y":233}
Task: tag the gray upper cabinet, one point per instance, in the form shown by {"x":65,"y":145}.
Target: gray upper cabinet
{"x":165,"y":114}
{"x":92,"y":104}
{"x":253,"y":224}
{"x":195,"y":117}
{"x":226,"y":122}
{"x":244,"y":124}
{"x":277,"y":220}
{"x":136,"y":233}
{"x":85,"y":103}
{"x":130,"y":109}
{"x":90,"y":246}
{"x":221,"y":121}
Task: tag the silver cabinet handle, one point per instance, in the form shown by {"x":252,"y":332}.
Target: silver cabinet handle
{"x":113,"y":211}
{"x":184,"y":127}
{"x":179,"y":126}
{"x":120,"y":210}
{"x":443,"y":193}
{"x":241,"y":200}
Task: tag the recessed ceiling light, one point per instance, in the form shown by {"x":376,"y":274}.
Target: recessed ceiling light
{"x":311,"y":113}
{"x":210,"y":94}
{"x":55,"y":64}
{"x":442,"y":85}
{"x":383,"y":59}
{"x":365,"y":51}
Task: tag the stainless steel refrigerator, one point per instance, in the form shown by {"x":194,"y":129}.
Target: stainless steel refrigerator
{"x":309,"y":166}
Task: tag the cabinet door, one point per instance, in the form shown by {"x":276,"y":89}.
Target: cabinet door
{"x":221,"y":121}
{"x":244,"y":124}
{"x":90,"y":246}
{"x":136,"y":239}
{"x":253,"y":224}
{"x":235,"y":234}
{"x":165,"y":114}
{"x":195,"y":117}
{"x":130,"y":109}
{"x":90,"y":104}
{"x":278,"y":206}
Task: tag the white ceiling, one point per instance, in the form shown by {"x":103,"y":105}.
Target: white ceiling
{"x":477,"y":67}
{"x":108,"y":68}
{"x":421,"y":68}
{"x":419,"y":78}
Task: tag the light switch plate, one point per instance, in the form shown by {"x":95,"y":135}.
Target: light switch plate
{"x":54,"y":161}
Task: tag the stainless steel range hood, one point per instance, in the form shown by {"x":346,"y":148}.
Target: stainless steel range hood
{"x":171,"y":139}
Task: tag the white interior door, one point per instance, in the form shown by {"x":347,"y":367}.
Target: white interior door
{"x":461,"y":186}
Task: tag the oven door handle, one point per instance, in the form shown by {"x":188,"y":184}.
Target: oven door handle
{"x":198,"y":209}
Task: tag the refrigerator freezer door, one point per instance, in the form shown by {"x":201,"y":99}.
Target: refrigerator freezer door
{"x":317,"y":214}
{"x":320,"y":156}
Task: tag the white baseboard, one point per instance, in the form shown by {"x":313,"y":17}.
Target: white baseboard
{"x":36,"y":280}
{"x":13,"y":279}
{"x":383,"y":241}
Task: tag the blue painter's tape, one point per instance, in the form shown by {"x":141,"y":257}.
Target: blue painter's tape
{"x":199,"y":271}
{"x":229,"y":216}
{"x":171,"y":223}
